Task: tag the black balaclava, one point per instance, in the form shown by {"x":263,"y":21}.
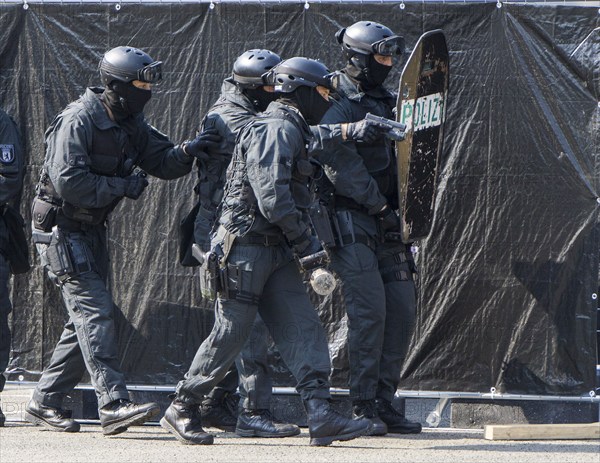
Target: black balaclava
{"x":125,"y":99}
{"x":367,"y":71}
{"x":259,"y":97}
{"x":309,"y":102}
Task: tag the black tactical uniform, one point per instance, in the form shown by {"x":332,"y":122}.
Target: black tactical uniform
{"x":377,"y":274}
{"x":227,"y":116}
{"x":11,"y":181}
{"x":92,"y":148}
{"x":232,"y":111}
{"x":261,"y":220}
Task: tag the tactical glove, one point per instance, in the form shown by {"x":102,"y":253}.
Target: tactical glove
{"x":204,"y":142}
{"x":388,"y":219}
{"x":135,"y":185}
{"x":365,"y":131}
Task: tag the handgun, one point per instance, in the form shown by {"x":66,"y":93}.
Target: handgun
{"x":397,"y":130}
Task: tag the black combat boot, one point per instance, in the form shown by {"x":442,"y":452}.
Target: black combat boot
{"x":183,"y":420}
{"x":396,"y":421}
{"x":120,"y":414}
{"x":261,"y":423}
{"x":2,"y":418}
{"x":326,"y":425}
{"x":219,"y":410}
{"x":55,"y":419}
{"x":365,"y":409}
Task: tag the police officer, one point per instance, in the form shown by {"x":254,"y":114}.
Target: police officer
{"x":243,"y":95}
{"x":11,"y":181}
{"x":92,"y":149}
{"x":262,"y":225}
{"x":361,"y":189}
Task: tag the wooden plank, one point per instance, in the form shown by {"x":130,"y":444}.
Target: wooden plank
{"x":542,"y":431}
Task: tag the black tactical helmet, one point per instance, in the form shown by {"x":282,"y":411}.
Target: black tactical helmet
{"x":368,"y":37}
{"x":251,"y":65}
{"x":127,"y":64}
{"x":296,"y":72}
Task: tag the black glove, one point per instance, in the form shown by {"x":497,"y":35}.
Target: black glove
{"x":306,"y":246}
{"x":135,"y":185}
{"x":388,"y":219}
{"x":365,"y":131}
{"x":205,"y":141}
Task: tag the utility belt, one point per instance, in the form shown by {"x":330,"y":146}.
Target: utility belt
{"x":46,"y":213}
{"x":337,"y":229}
{"x":218,"y":277}
{"x":260,"y":240}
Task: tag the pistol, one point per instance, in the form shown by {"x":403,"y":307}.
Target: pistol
{"x":397,"y":130}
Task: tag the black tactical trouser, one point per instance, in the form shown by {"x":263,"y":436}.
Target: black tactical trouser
{"x":400,"y":314}
{"x":254,"y":379}
{"x":250,"y":371}
{"x":380,"y":311}
{"x":269,"y":283}
{"x":364,"y":301}
{"x":5,"y":309}
{"x":89,"y":339}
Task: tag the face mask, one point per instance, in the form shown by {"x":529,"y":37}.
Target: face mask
{"x":376,"y":73}
{"x":260,"y":98}
{"x":311,"y":104}
{"x":125,"y":99}
{"x":367,"y":71}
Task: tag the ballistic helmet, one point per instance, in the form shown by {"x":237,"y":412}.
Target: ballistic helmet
{"x":251,"y":65}
{"x":369,"y":38}
{"x":127,"y":64}
{"x":297,"y":72}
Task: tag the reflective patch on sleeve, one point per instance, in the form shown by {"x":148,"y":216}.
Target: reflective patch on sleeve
{"x":7,"y":154}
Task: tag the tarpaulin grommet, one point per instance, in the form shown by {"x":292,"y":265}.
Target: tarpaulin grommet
{"x":594,"y":296}
{"x":306,"y":5}
{"x":402,"y":6}
{"x":492,"y":392}
{"x":25,"y":5}
{"x":118,"y":6}
{"x":499,"y":5}
{"x":212,"y":5}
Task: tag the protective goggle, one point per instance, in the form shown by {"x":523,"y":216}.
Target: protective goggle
{"x":151,"y":73}
{"x":391,"y":46}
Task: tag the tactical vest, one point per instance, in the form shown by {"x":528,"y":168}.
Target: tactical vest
{"x":111,"y":154}
{"x":240,"y":204}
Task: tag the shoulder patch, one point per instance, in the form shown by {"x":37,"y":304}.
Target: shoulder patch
{"x":7,"y":154}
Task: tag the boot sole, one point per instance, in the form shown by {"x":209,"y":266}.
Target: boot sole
{"x":217,"y":426}
{"x":255,"y":433}
{"x":324,"y":441}
{"x":166,"y":425}
{"x":404,"y":431}
{"x":113,"y":429}
{"x":37,"y":421}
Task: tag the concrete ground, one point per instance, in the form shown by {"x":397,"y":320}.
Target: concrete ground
{"x":22,"y":442}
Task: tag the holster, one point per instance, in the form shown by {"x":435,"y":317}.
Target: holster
{"x":322,"y":224}
{"x":58,"y":255}
{"x":344,"y":228}
{"x":212,"y":276}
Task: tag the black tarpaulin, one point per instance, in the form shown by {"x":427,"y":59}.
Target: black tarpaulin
{"x":506,"y":276}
